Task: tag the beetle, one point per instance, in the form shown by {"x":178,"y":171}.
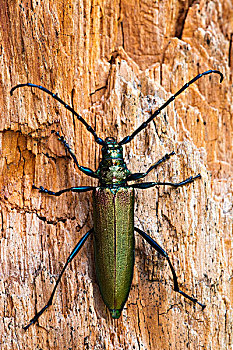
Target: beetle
{"x":113,"y":212}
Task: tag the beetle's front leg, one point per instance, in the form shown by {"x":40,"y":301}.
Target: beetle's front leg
{"x":58,"y":193}
{"x":70,"y":258}
{"x":160,"y":250}
{"x":137,"y":176}
{"x":85,"y":170}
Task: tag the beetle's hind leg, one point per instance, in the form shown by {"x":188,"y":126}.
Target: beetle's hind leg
{"x":70,"y":258}
{"x":159,"y":249}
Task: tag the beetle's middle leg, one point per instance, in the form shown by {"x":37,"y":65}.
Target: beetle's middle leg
{"x":70,"y":258}
{"x":58,"y":193}
{"x":145,"y":185}
{"x":137,"y":176}
{"x":160,"y":250}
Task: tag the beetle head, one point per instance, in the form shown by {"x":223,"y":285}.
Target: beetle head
{"x":112,"y":149}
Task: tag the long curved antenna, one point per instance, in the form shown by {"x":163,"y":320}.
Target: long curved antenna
{"x":89,"y":128}
{"x":144,"y":125}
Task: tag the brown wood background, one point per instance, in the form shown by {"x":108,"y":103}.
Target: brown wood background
{"x":115,"y":61}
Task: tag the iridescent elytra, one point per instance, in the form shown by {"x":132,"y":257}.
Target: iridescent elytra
{"x":113,"y":212}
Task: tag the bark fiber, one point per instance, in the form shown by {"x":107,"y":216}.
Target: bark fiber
{"x":115,"y":62}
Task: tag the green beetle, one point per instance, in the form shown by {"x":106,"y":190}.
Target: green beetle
{"x":113,"y":212}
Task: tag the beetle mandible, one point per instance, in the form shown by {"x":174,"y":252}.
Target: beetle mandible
{"x":113,"y":212}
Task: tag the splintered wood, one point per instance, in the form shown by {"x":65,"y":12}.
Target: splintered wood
{"x":115,"y":62}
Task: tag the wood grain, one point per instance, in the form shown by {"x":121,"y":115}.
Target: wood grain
{"x":115,"y":62}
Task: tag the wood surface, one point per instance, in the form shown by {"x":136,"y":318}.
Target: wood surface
{"x":115,"y":62}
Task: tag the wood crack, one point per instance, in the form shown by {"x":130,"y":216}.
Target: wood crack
{"x":180,"y":23}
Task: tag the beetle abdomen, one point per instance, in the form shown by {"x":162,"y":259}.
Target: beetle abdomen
{"x":113,"y":211}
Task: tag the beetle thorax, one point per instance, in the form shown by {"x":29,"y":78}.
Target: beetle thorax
{"x":112,"y":169}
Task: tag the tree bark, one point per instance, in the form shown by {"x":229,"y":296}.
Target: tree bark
{"x":115,"y":63}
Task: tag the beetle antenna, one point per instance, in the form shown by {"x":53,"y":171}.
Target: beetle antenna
{"x":172,"y":98}
{"x":89,"y":128}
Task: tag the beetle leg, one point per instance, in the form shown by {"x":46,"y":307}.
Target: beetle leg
{"x":160,"y":250}
{"x":145,"y":185}
{"x":85,"y":170}
{"x":71,"y":189}
{"x":137,"y":176}
{"x":70,"y":258}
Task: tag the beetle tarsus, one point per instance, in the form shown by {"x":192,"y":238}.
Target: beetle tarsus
{"x":70,"y":258}
{"x":194,"y":300}
{"x":186,"y":181}
{"x":37,"y":315}
{"x":160,"y":250}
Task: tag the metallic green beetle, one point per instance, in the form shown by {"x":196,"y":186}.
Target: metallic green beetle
{"x":113,"y":213}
